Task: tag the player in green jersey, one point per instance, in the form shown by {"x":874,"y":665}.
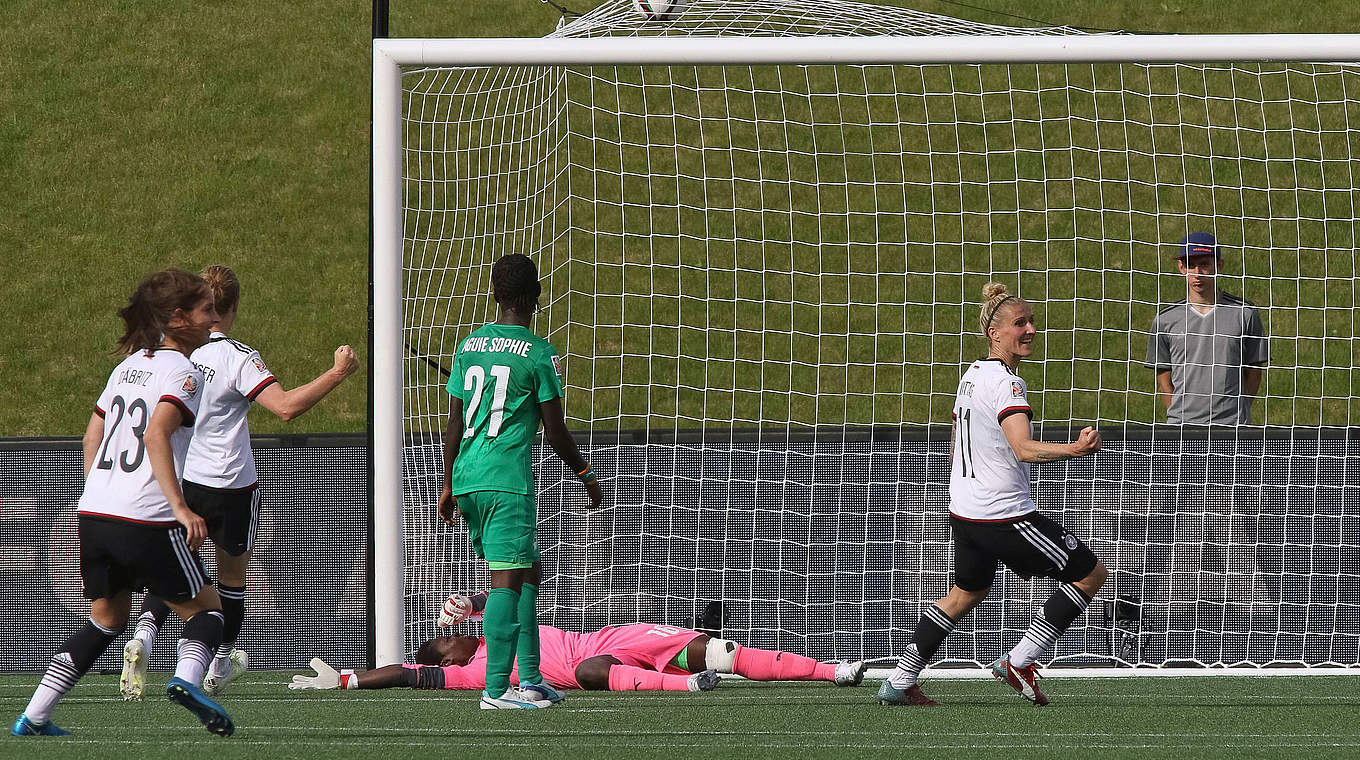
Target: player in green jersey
{"x":504,"y":383}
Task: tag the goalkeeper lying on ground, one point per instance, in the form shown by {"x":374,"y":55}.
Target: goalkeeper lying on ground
{"x":642,"y":657}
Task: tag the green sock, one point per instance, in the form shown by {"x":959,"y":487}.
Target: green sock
{"x":527,"y":649}
{"x":500,"y":626}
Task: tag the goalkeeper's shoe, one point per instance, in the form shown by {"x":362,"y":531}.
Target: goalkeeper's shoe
{"x":912,"y":695}
{"x":1024,"y":680}
{"x":25,"y":727}
{"x":208,"y":712}
{"x":513,"y":699}
{"x":542,"y":691}
{"x":849,"y":673}
{"x":704,"y":680}
{"x":237,"y":664}
{"x":133,"y":680}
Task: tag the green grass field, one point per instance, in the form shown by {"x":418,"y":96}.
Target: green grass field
{"x":1105,"y":718}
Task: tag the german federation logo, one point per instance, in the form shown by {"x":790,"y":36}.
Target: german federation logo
{"x":1017,"y":390}
{"x":190,"y":385}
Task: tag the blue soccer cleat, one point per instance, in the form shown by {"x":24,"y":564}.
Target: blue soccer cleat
{"x":209,"y":713}
{"x":912,"y":695}
{"x":25,"y":727}
{"x":543,"y":691}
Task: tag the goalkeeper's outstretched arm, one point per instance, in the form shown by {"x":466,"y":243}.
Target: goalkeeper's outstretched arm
{"x":386,"y":677}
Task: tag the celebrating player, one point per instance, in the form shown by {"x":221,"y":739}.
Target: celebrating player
{"x":642,"y":657}
{"x":135,"y":528}
{"x":504,"y":382}
{"x":220,"y":481}
{"x":992,"y":515}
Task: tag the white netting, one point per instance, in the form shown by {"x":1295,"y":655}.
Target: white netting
{"x":764,"y":284}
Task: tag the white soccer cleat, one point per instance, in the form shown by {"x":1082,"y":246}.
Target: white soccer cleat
{"x":456,"y":609}
{"x":849,"y":673}
{"x":541,"y":691}
{"x":214,"y":684}
{"x":706,"y":680}
{"x":133,"y":680}
{"x":514,"y":699}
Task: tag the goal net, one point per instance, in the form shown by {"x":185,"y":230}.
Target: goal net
{"x":763,"y":280}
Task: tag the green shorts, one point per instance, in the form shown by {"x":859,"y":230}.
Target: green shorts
{"x":503,"y":527}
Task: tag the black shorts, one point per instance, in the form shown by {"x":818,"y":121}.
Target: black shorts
{"x":1030,"y":545}
{"x":232,"y":515}
{"x":118,"y":555}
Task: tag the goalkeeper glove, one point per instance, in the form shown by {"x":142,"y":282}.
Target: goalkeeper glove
{"x":326,"y":678}
{"x":457,"y":608}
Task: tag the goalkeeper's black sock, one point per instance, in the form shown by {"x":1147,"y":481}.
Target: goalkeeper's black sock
{"x":1055,"y":617}
{"x":931,"y":629}
{"x":71,"y":662}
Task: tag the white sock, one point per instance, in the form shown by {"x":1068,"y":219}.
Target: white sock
{"x":61,"y":675}
{"x":193,"y":660}
{"x":909,"y":666}
{"x":221,"y":664}
{"x":1025,"y":653}
{"x":146,"y":630}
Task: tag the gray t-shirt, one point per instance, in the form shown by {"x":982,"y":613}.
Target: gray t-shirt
{"x":1205,"y":353}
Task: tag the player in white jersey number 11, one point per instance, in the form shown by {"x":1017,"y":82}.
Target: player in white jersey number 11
{"x":992,"y":515}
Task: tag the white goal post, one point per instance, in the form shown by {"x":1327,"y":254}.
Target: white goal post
{"x":392,"y":467}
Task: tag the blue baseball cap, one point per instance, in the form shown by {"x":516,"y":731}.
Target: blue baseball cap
{"x":1198,"y":244}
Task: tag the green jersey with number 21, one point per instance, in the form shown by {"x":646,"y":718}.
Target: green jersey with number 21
{"x":501,"y":373}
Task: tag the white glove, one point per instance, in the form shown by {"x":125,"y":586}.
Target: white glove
{"x":457,"y":608}
{"x":326,"y":677}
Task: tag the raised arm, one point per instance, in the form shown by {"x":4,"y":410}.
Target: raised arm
{"x":1016,"y":428}
{"x":290,"y":404}
{"x":556,"y":434}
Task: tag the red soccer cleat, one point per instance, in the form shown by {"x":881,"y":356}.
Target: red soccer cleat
{"x":1024,"y":680}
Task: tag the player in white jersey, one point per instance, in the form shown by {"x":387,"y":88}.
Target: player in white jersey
{"x":136,"y":531}
{"x":992,"y":516}
{"x":220,"y":482}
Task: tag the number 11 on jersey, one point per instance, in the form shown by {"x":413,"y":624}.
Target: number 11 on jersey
{"x":963,"y":440}
{"x":475,"y":381}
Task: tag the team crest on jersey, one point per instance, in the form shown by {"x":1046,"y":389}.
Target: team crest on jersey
{"x":259,"y":365}
{"x":1071,"y":542}
{"x":1017,"y":390}
{"x":190,"y":385}
{"x":557,"y":365}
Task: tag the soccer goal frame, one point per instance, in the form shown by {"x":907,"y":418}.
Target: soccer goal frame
{"x":391,"y":55}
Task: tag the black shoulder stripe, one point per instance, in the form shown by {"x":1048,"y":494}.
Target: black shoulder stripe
{"x":1175,"y":305}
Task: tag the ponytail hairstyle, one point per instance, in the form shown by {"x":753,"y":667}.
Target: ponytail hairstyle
{"x":514,"y":283}
{"x":146,"y":318}
{"x":994,"y":296}
{"x":223,"y":286}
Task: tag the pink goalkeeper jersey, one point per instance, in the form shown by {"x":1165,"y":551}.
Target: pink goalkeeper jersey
{"x":643,"y":645}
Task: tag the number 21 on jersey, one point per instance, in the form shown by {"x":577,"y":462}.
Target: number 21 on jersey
{"x":475,"y":382}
